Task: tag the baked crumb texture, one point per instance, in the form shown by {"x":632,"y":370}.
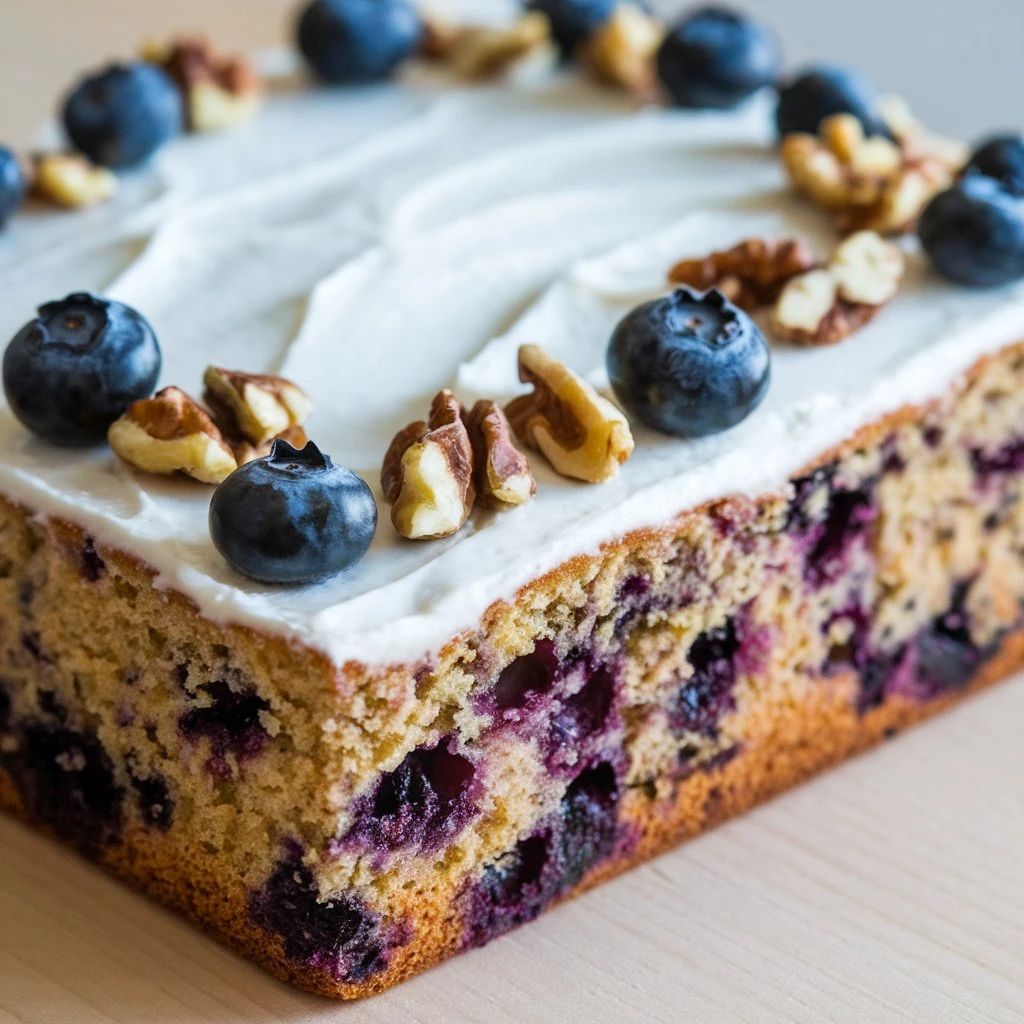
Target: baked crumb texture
{"x":349,"y":828}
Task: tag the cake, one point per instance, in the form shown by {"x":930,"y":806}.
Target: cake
{"x":352,"y":781}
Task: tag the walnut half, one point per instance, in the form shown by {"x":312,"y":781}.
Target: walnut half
{"x":583,"y":436}
{"x":254,"y":407}
{"x":70,"y":181}
{"x":428,"y":473}
{"x":622,"y":50}
{"x":482,"y":51}
{"x":502,"y":473}
{"x":829,"y":303}
{"x":172,"y":433}
{"x":218,"y":91}
{"x":751,"y":274}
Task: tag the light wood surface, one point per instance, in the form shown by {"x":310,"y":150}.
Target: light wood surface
{"x":891,"y":890}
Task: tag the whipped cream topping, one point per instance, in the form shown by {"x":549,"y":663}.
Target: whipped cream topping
{"x":375,"y":245}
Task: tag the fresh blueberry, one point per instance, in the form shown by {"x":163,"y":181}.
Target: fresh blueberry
{"x":12,"y":184}
{"x":352,"y":41}
{"x":292,"y":517}
{"x":122,"y":115}
{"x":1002,"y":158}
{"x":689,"y":364}
{"x":715,"y":58}
{"x":821,"y":92}
{"x":572,"y":21}
{"x":974,"y":232}
{"x":77,"y":367}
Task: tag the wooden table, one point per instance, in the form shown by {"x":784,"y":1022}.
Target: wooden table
{"x":891,"y":890}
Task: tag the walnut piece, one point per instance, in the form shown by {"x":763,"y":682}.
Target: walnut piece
{"x":827,"y":304}
{"x":428,"y":473}
{"x":871,"y":183}
{"x":621,"y":52}
{"x":172,"y":433}
{"x":483,"y":51}
{"x":70,"y":181}
{"x":254,"y":407}
{"x":583,"y":436}
{"x":501,"y":471}
{"x":218,"y":91}
{"x":751,"y":274}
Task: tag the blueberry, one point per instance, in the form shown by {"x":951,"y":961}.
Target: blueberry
{"x":821,"y":92}
{"x":352,"y":41}
{"x":1002,"y":158}
{"x":689,"y":364}
{"x":572,"y":21}
{"x":974,"y":232}
{"x":122,"y":115}
{"x":292,"y":517}
{"x":715,"y":58}
{"x":12,"y":184}
{"x":73,"y":370}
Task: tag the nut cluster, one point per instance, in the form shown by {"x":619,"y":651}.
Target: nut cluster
{"x":868,"y":182}
{"x":218,"y":91}
{"x":69,"y":180}
{"x":750,"y":274}
{"x":435,"y":471}
{"x":583,"y":436}
{"x":827,"y":304}
{"x":483,"y":51}
{"x":173,"y":433}
{"x":621,"y":51}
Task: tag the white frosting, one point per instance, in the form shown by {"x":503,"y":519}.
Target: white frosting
{"x":375,"y":245}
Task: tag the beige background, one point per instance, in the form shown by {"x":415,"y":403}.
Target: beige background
{"x":891,"y":890}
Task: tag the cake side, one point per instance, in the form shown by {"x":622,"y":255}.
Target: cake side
{"x":621,"y":703}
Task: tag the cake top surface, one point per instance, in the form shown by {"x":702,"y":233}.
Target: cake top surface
{"x":375,"y":245}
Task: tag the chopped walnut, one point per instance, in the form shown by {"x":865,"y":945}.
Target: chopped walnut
{"x":428,"y":473}
{"x":218,"y":91}
{"x":171,"y":433}
{"x":917,"y":141}
{"x":71,"y":181}
{"x":621,"y":52}
{"x":582,"y":435}
{"x":483,"y":51}
{"x":870,"y":183}
{"x":502,"y":473}
{"x":254,"y":407}
{"x":829,"y":303}
{"x":751,"y":274}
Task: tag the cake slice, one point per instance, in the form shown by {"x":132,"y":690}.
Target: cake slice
{"x":352,"y":781}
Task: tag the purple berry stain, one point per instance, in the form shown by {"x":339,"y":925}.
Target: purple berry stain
{"x":231,"y":723}
{"x":581,"y":833}
{"x":340,"y":935}
{"x":422,"y":805}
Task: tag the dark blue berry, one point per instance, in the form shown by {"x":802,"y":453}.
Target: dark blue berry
{"x":232,"y":721}
{"x":572,"y":21}
{"x":716,"y":58}
{"x":77,"y":367}
{"x":974,"y":232}
{"x":821,"y":92}
{"x":122,"y":115}
{"x":12,"y":184}
{"x":351,"y":41}
{"x":292,"y":517}
{"x":689,"y":364}
{"x":1002,"y":158}
{"x":708,"y":694}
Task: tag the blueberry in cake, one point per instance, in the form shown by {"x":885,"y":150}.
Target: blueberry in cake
{"x":532,"y":483}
